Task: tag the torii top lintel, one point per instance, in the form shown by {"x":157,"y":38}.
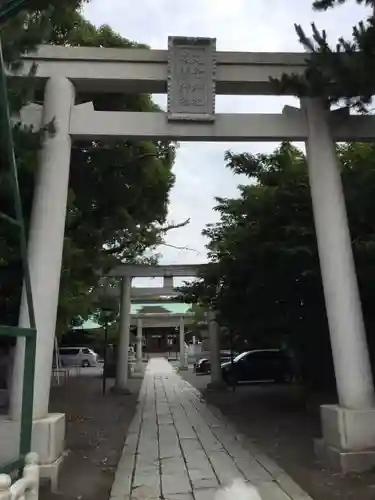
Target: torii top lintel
{"x":192,"y":72}
{"x":155,"y":271}
{"x":98,"y":69}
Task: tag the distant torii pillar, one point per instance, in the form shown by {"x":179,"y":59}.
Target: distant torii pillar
{"x":168,"y":282}
{"x":122,"y":370}
{"x":215,"y":362}
{"x":139,"y":353}
{"x":183,"y":364}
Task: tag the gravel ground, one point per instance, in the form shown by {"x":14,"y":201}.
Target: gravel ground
{"x":96,"y":430}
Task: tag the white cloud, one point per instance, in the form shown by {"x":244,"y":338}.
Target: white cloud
{"x":238,"y":25}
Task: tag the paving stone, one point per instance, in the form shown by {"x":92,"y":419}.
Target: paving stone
{"x":173,"y":465}
{"x":253,"y":471}
{"x":235,"y":449}
{"x":197,"y":460}
{"x":174,"y":432}
{"x":203,"y":478}
{"x":149,"y":438}
{"x":148,"y":449}
{"x":269,"y":465}
{"x":209,"y":442}
{"x":167,"y":432}
{"x":163,"y":413}
{"x":225,"y":468}
{"x":150,"y":479}
{"x":145,"y":493}
{"x":175,"y":483}
{"x":121,"y":486}
{"x":215,"y":424}
{"x":131,"y":443}
{"x":168,"y":451}
{"x":135,"y":425}
{"x":179,"y":496}
{"x":272,"y":491}
{"x":126,"y":463}
{"x":186,"y":432}
{"x":123,"y":475}
{"x":196,"y":422}
{"x":165,"y":419}
{"x":191,"y":446}
{"x":206,"y":494}
{"x":148,"y":467}
{"x":184,"y":429}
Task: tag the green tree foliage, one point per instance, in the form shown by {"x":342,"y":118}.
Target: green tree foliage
{"x":265,"y":257}
{"x":119,"y":190}
{"x":343,"y":74}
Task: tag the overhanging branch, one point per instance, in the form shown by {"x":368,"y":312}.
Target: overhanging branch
{"x":158,"y":231}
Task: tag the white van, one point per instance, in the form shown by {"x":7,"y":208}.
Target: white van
{"x":78,"y":356}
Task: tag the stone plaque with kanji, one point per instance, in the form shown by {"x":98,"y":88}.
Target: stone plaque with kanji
{"x":191,"y":79}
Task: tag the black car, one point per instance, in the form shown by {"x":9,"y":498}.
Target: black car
{"x":266,"y":365}
{"x":203,"y":366}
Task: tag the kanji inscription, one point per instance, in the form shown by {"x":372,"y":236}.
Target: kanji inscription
{"x":191,"y":79}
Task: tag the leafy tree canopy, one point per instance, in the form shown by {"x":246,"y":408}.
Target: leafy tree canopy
{"x":119,"y":190}
{"x":264,"y":254}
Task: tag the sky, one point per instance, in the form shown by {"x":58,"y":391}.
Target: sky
{"x":237,"y":25}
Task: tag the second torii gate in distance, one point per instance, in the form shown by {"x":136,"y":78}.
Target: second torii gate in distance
{"x":129,"y":271}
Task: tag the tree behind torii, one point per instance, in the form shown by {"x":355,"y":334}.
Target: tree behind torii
{"x":344,"y":74}
{"x":118,"y":192}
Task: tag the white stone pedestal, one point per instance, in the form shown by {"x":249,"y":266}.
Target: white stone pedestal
{"x":348,"y":442}
{"x":48,"y":440}
{"x":139,"y":370}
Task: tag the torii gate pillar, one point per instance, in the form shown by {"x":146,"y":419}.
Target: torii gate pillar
{"x":348,"y":428}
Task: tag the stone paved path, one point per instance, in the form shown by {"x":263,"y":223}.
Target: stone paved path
{"x":179,"y":449}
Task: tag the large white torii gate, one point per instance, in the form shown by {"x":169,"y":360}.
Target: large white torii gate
{"x":192,"y":72}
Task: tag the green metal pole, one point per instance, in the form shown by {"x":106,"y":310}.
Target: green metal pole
{"x":11,"y":8}
{"x":105,"y":360}
{"x":8,"y":144}
{"x":30,"y":341}
{"x":27,"y":396}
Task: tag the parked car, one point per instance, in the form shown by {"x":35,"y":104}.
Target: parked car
{"x":263,"y":365}
{"x":203,"y":365}
{"x":78,"y":356}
